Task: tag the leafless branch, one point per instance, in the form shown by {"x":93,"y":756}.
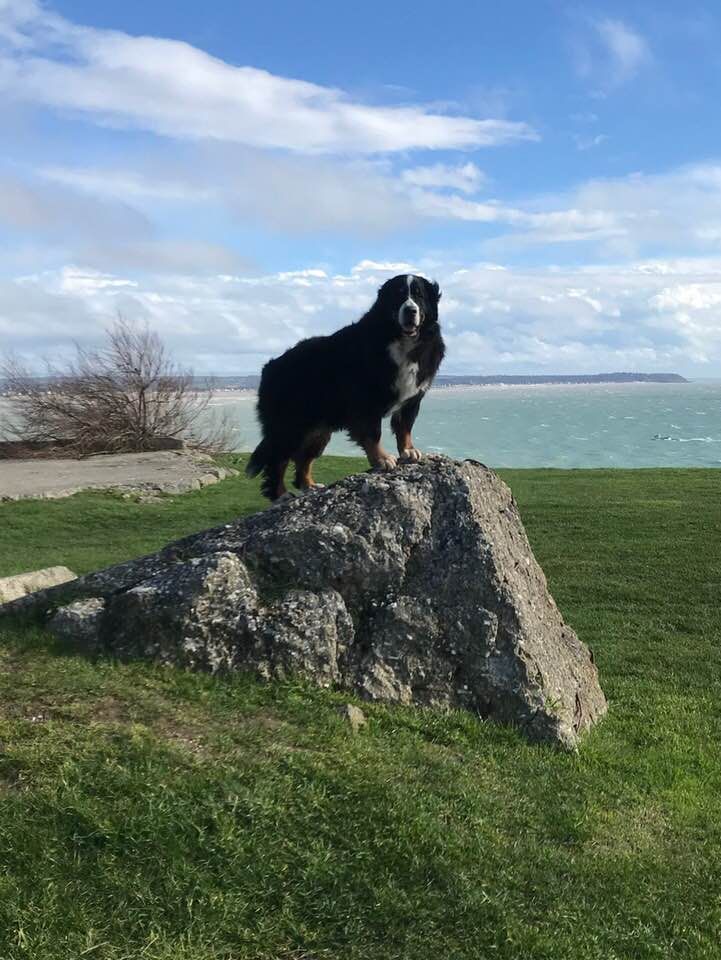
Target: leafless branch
{"x":123,"y":397}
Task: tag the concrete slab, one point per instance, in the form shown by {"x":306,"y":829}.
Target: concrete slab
{"x":165,"y":471}
{"x":20,"y":585}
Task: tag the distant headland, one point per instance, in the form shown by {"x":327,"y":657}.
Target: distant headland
{"x":562,"y":378}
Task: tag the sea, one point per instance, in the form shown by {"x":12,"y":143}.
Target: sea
{"x":545,"y":425}
{"x":536,"y":425}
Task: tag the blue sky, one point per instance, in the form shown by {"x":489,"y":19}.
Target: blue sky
{"x":241,"y":175}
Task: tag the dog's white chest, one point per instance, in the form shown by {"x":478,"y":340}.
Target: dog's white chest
{"x":406,"y":381}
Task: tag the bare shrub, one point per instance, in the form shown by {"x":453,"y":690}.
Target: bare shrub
{"x":127,"y":396}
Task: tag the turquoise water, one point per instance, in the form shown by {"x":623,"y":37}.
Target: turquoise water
{"x":598,"y":425}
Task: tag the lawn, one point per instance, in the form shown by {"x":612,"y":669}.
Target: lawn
{"x":151,"y":813}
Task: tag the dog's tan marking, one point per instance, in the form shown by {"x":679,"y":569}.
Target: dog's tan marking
{"x":406,"y":451}
{"x":305,"y":475}
{"x":313,"y":446}
{"x":377,"y":456}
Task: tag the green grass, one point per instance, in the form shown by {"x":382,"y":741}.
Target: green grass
{"x":151,"y":813}
{"x":93,"y":530}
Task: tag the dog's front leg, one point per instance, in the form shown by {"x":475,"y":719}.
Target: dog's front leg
{"x":402,"y":423}
{"x":368,"y":436}
{"x":378,"y":457}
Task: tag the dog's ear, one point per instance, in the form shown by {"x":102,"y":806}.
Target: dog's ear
{"x":437,"y":290}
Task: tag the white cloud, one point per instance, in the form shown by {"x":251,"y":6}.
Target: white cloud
{"x":694,"y":296}
{"x":588,"y":143}
{"x":128,"y":185}
{"x":85,"y":215}
{"x":41,"y":209}
{"x":649,"y":315}
{"x":252,"y":186}
{"x":565,"y":225}
{"x":465,"y":177}
{"x":628,"y":216}
{"x":627,"y":49}
{"x":359,"y":198}
{"x":608,"y":53}
{"x":389,"y":267}
{"x":177,"y":90}
{"x":177,"y":256}
{"x":310,"y":194}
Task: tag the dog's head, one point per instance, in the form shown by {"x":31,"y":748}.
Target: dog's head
{"x":411,"y":302}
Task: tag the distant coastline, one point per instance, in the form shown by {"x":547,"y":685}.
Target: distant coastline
{"x":250,"y":383}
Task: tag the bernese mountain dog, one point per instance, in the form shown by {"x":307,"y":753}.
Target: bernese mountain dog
{"x":382,"y":364}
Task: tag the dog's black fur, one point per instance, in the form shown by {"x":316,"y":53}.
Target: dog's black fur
{"x":350,"y":381}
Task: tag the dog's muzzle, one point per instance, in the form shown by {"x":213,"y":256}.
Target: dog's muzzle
{"x":409,"y":318}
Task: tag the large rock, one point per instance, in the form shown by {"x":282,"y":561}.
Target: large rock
{"x":416,"y":586}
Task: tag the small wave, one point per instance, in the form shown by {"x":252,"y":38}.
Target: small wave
{"x":659,"y":436}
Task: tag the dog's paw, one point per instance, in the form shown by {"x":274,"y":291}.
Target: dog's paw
{"x":411,"y":455}
{"x":283,"y":498}
{"x":311,"y":487}
{"x":385,"y":462}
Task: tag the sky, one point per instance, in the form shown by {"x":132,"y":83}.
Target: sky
{"x":239,"y":176}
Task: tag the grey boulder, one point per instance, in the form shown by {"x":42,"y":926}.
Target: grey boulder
{"x":416,"y":586}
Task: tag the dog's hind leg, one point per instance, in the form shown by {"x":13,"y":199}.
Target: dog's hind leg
{"x":273,"y":485}
{"x":313,"y":446}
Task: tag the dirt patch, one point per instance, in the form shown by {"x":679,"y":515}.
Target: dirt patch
{"x":165,"y":471}
{"x":265,"y":721}
{"x":107,"y":710}
{"x":194,"y":735}
{"x":188,"y":736}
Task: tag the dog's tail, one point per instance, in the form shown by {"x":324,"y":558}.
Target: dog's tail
{"x":259,"y":459}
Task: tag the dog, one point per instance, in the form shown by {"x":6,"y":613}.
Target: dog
{"x":350,"y":380}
